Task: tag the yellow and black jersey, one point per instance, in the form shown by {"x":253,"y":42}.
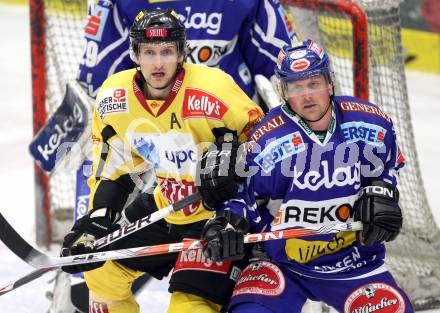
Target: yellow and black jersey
{"x":131,"y":133}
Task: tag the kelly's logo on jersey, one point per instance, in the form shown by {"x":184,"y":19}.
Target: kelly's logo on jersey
{"x":200,"y":104}
{"x":195,"y":260}
{"x":112,"y":101}
{"x":366,"y":132}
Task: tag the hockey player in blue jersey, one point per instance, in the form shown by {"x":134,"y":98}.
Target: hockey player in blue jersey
{"x":241,"y":37}
{"x":316,"y":159}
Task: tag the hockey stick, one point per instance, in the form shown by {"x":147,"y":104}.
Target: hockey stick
{"x":40,"y":260}
{"x":267,"y":91}
{"x":48,"y":262}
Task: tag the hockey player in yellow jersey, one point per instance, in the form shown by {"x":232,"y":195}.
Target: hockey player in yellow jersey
{"x":161,"y":115}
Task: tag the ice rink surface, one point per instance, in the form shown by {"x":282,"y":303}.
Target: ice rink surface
{"x":16,"y":167}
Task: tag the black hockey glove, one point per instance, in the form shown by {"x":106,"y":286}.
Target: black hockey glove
{"x":378,"y":210}
{"x":218,"y":181}
{"x":224,"y":236}
{"x":80,"y":240}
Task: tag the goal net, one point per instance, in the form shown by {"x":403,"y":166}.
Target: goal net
{"x":364,"y":42}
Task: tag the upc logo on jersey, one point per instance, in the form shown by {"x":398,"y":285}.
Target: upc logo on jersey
{"x":95,"y":25}
{"x":375,"y":297}
{"x":360,"y":131}
{"x":171,"y":153}
{"x":200,"y":104}
{"x":112,"y":101}
{"x":279,"y":150}
{"x":181,"y":156}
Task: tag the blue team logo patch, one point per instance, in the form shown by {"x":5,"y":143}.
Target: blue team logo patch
{"x":279,"y":150}
{"x":360,"y":131}
{"x":148,"y":150}
{"x":95,"y":25}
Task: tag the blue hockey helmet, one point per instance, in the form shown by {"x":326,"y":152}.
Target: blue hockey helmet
{"x":300,"y":61}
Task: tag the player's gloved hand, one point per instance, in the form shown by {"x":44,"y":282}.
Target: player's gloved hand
{"x":137,"y":209}
{"x":378,"y":210}
{"x":80,"y":239}
{"x":217,"y":177}
{"x":224,"y":236}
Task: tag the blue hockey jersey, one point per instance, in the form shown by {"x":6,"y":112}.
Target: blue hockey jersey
{"x":303,"y":180}
{"x":241,"y":37}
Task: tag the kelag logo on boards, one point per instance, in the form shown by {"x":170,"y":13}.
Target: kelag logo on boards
{"x":67,"y":124}
{"x":200,"y":104}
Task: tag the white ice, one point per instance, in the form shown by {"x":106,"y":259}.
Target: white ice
{"x":16,"y":167}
